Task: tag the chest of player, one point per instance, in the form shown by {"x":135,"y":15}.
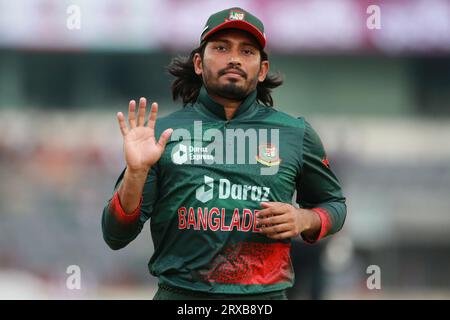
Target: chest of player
{"x":230,"y":161}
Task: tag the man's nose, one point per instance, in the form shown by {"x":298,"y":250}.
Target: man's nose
{"x":234,"y":60}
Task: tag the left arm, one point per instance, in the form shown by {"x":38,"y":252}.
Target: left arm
{"x":319,"y":194}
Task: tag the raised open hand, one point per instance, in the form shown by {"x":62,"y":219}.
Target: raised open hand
{"x":140,"y":146}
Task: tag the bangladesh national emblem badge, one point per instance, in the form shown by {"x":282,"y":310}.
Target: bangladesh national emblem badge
{"x":236,"y":15}
{"x":268,"y":155}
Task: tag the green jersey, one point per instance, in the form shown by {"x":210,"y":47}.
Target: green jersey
{"x":202,"y":196}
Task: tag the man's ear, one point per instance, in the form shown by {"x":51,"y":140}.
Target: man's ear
{"x":263,"y":70}
{"x":198,"y":67}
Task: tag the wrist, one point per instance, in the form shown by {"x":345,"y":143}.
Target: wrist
{"x":312,"y":223}
{"x":137,"y":174}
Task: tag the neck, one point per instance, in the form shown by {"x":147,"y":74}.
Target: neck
{"x":230,"y":106}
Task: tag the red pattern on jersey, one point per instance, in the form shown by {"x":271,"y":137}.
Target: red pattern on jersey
{"x":252,"y":263}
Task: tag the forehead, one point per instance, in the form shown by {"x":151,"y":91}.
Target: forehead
{"x":235,"y":36}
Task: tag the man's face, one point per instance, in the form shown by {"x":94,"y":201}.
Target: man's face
{"x":231,"y":66}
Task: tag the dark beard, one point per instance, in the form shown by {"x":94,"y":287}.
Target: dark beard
{"x":230,"y":91}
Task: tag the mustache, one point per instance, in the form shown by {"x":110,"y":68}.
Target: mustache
{"x":237,"y":70}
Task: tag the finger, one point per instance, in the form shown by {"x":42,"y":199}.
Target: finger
{"x":273,"y":211}
{"x":122,"y":124}
{"x":282,"y":228}
{"x":152,"y":116}
{"x":279,"y":228}
{"x":131,"y":115}
{"x":165,"y":137}
{"x":141,"y":112}
{"x":270,"y":204}
{"x":283,"y":235}
{"x":273,"y":220}
{"x":264,"y":213}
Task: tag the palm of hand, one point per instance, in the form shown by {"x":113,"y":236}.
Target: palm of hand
{"x":140,"y":146}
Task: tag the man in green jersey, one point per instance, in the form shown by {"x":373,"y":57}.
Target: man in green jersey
{"x":218,"y":184}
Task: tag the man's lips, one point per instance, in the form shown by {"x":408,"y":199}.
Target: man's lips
{"x":234,"y":72}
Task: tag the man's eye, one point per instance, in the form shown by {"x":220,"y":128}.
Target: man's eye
{"x":248,"y":52}
{"x":220,"y":48}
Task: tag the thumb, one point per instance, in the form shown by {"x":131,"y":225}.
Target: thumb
{"x":165,"y":137}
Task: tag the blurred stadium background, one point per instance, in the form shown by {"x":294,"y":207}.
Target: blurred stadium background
{"x":380,"y":99}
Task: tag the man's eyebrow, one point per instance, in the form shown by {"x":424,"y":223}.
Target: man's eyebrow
{"x":241,"y":43}
{"x":250,"y":44}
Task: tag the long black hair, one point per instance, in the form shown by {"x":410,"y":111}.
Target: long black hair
{"x":187,"y":83}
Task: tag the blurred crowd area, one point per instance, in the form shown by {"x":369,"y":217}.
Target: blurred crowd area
{"x":381,"y":106}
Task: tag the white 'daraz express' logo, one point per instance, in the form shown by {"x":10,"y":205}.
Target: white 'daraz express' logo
{"x":184,"y":152}
{"x":179,"y":154}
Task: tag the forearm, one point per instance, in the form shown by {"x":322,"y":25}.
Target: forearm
{"x":130,"y":190}
{"x":121,"y":216}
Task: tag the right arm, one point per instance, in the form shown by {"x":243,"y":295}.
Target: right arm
{"x":123,"y":215}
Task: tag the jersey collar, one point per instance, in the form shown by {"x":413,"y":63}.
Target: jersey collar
{"x":208,"y":105}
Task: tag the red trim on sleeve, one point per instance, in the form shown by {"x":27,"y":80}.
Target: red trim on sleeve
{"x":115,"y":209}
{"x":325,"y":224}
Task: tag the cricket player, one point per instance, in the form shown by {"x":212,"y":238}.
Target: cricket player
{"x":216,"y":178}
